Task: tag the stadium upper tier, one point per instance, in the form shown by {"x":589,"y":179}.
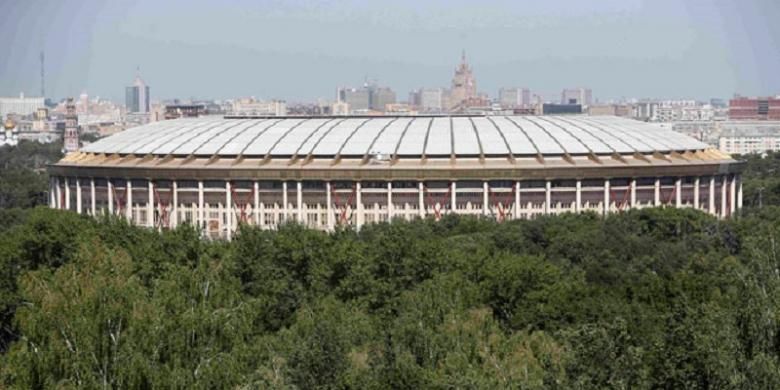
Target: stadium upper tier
{"x":403,"y":137}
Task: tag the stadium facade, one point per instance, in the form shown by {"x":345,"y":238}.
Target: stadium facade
{"x":218,"y":172}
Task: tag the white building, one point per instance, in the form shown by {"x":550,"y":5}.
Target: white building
{"x":745,"y":137}
{"x":21,"y":105}
{"x":581,"y":96}
{"x":250,"y":106}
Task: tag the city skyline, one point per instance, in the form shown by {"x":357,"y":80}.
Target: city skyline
{"x":660,"y":49}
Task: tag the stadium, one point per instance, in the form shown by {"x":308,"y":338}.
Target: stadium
{"x":219,"y":172}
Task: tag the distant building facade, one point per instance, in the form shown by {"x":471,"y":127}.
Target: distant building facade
{"x":744,"y":108}
{"x":464,"y":85}
{"x":137,"y":97}
{"x":514,"y":98}
{"x":581,"y":96}
{"x":184,"y":111}
{"x":744,"y":137}
{"x":611,"y":109}
{"x":557,"y":109}
{"x":21,"y":106}
{"x":251,"y":106}
{"x":370,"y":97}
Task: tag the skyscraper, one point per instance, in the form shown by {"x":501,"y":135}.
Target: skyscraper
{"x":137,"y":96}
{"x":464,"y":86}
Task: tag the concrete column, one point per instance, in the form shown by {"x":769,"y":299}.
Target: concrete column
{"x":329,"y":205}
{"x":696,"y":184}
{"x":453,"y":197}
{"x":733,"y":195}
{"x":110,"y":189}
{"x":150,"y":206}
{"x":359,"y":204}
{"x":712,"y":195}
{"x":285,"y":210}
{"x":516,"y":213}
{"x":389,"y":201}
{"x":67,"y":194}
{"x":420,"y":195}
{"x":739,"y":193}
{"x":58,"y":194}
{"x":724,"y":197}
{"x":633,"y":193}
{"x":174,"y":217}
{"x":51,"y":192}
{"x":78,"y":195}
{"x":299,"y":201}
{"x":228,"y":209}
{"x":201,"y":207}
{"x":92,"y":201}
{"x":606,"y":197}
{"x":657,"y":193}
{"x":485,"y":201}
{"x":678,"y":193}
{"x":129,"y":200}
{"x":256,"y":208}
{"x":578,"y":197}
{"x":547,"y":197}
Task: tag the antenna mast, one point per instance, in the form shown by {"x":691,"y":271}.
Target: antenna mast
{"x":43,"y":85}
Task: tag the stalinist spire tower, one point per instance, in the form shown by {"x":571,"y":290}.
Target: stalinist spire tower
{"x":464,"y":86}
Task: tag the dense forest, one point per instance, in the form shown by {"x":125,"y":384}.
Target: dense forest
{"x":654,"y":298}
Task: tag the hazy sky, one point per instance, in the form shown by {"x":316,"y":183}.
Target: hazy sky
{"x":302,"y":50}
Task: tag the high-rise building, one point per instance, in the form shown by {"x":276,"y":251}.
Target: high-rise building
{"x":464,"y":85}
{"x":21,"y":105}
{"x":71,"y":135}
{"x":433,"y":99}
{"x":581,"y":96}
{"x":137,"y":96}
{"x":514,"y":97}
{"x":744,"y":108}
{"x":358,"y":99}
{"x":380,"y":97}
{"x":368,"y":97}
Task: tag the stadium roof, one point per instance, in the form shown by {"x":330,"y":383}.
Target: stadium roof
{"x":395,"y":137}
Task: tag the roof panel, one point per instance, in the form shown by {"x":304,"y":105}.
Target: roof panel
{"x":563,"y":138}
{"x":331,"y":143}
{"x":439,"y":138}
{"x":359,"y":143}
{"x":237,"y":145}
{"x":188,"y":141}
{"x":543,"y":141}
{"x":405,"y":135}
{"x":591,"y":142}
{"x":466,"y":141}
{"x":215,"y":144}
{"x":613,"y":141}
{"x":388,"y":140}
{"x":414,"y":140}
{"x":171,"y":136}
{"x":518,"y":141}
{"x":292,"y":142}
{"x":491,"y":139}
{"x":266,"y":139}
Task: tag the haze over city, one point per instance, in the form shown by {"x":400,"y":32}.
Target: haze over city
{"x":303,"y":50}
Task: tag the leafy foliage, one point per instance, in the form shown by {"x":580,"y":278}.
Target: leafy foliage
{"x":654,"y":298}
